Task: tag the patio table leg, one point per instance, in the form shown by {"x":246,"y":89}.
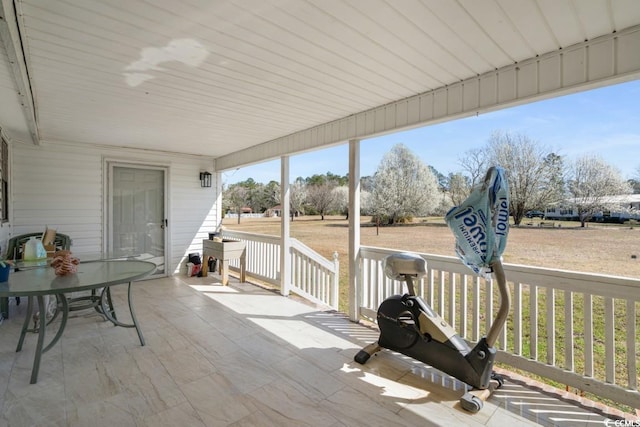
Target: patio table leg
{"x":42,"y":330}
{"x":110,"y":314}
{"x":25,"y":324}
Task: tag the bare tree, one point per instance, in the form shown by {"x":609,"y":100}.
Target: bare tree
{"x":527,"y":171}
{"x":237,"y":197}
{"x":403,"y":186}
{"x":475,"y":162}
{"x":592,"y":180}
{"x":459,"y":188}
{"x":321,"y":197}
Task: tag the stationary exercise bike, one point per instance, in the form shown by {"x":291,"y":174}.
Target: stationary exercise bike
{"x":410,"y":326}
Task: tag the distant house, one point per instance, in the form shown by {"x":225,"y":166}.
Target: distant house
{"x":243,"y":210}
{"x":621,"y":208}
{"x":277,"y":211}
{"x":274,"y":211}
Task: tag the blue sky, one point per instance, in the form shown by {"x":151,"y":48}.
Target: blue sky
{"x":603,"y":122}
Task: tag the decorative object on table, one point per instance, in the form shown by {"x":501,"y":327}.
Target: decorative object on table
{"x":34,"y":249}
{"x":64,"y":263}
{"x":49,"y":241}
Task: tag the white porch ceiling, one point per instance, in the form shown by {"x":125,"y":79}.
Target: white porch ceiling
{"x":211,"y":78}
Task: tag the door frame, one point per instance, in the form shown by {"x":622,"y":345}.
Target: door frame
{"x":107,"y":224}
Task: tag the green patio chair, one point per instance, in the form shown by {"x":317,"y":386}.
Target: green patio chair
{"x":15,"y":247}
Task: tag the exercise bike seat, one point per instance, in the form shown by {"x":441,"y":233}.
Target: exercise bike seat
{"x":399,"y":266}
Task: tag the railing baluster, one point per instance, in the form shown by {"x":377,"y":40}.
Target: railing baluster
{"x":568,"y":331}
{"x":503,"y":339}
{"x":550,"y":295}
{"x":431,"y":278}
{"x":300,"y":272}
{"x":305,"y":271}
{"x":533,"y":318}
{"x":476,"y":309}
{"x":517,"y":318}
{"x":631,"y":343}
{"x":304,"y":283}
{"x":265,"y":261}
{"x":441,"y":293}
{"x":267,"y":264}
{"x":452,"y":300}
{"x":374,"y":269}
{"x":295,"y":263}
{"x":275,"y":253}
{"x":311,"y":280}
{"x":609,"y":341}
{"x":588,"y":335}
{"x":320,"y":279}
{"x":463,"y":307}
{"x":489,"y":305}
{"x":334,"y":280}
{"x":314,"y":277}
{"x":367,"y":281}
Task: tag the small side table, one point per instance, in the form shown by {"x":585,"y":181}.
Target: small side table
{"x":224,"y":251}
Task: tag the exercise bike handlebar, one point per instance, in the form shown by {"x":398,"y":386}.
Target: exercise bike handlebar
{"x":505,"y":302}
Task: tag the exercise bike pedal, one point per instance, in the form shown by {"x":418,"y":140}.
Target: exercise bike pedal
{"x":499,"y":378}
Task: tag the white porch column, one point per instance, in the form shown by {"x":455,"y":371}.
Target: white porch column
{"x":285,"y":260}
{"x":219,"y":213}
{"x":354,"y":228}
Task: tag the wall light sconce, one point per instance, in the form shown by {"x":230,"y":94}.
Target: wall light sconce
{"x":205,"y":179}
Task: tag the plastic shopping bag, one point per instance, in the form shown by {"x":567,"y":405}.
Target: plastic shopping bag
{"x":481,"y":223}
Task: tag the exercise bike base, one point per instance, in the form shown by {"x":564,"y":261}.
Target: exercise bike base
{"x":472,"y":401}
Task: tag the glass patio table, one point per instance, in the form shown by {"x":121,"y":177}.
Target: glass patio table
{"x":91,"y":275}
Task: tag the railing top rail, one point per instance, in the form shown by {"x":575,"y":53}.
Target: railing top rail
{"x":307,"y":251}
{"x":266,"y":238}
{"x":434,"y":262}
{"x":591,"y":283}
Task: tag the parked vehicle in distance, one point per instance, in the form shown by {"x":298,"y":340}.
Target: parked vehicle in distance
{"x":534,"y":214}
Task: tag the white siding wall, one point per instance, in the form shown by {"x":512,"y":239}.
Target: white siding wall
{"x":61,"y":185}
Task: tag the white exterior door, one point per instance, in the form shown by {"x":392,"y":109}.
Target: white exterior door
{"x":137,"y":213}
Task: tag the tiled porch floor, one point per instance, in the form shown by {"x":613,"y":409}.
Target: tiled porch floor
{"x":238,"y":356}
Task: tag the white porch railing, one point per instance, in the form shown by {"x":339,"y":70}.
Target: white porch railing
{"x":578,"y":329}
{"x":313,"y":276}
